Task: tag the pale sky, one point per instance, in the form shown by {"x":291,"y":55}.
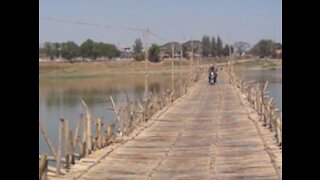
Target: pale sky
{"x":178,"y":20}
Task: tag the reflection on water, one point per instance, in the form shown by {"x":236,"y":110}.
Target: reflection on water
{"x":261,"y":76}
{"x":62,"y":99}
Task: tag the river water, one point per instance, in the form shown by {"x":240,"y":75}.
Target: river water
{"x":274,"y":77}
{"x":61,"y":98}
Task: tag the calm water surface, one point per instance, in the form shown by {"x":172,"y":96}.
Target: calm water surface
{"x":274,"y":77}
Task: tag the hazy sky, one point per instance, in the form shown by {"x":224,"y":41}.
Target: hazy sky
{"x":178,"y":20}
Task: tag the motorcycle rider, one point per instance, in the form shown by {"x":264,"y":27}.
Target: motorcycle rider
{"x":212,"y":69}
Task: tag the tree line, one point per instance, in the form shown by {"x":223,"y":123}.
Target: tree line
{"x":207,"y":47}
{"x":88,"y":49}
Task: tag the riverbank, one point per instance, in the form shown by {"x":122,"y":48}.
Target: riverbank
{"x":267,"y":64}
{"x":57,"y":70}
{"x":49,"y":70}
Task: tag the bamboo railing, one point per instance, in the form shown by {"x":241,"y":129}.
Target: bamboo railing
{"x":261,"y":102}
{"x":127,"y":118}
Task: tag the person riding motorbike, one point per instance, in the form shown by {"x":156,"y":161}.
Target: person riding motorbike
{"x":212,"y":69}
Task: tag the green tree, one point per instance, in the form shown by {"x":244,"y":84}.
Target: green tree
{"x":110,"y":51}
{"x":69,"y":50}
{"x":184,"y":47}
{"x":137,"y":47}
{"x":205,"y":44}
{"x":219,"y":47}
{"x":263,"y":48}
{"x":241,"y":47}
{"x":138,"y":55}
{"x":153,"y":53}
{"x":86,"y":49}
{"x":225,"y":51}
{"x":213,"y":47}
{"x":56,"y":48}
{"x":48,"y":49}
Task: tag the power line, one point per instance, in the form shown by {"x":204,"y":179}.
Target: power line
{"x":103,"y":26}
{"x":158,"y":36}
{"x":92,"y":24}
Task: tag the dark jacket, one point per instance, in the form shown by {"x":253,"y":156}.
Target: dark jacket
{"x":211,"y":69}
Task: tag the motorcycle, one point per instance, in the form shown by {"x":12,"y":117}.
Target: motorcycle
{"x":212,"y":78}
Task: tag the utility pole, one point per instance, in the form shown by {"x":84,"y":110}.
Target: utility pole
{"x":172,"y":64}
{"x":146,"y":65}
{"x":198,"y":63}
{"x":191,"y":57}
{"x":230,"y":55}
{"x":181,"y":92}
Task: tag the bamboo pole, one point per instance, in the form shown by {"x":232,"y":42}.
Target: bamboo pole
{"x":43,"y":167}
{"x":78,"y":142}
{"x":84,"y":147}
{"x":45,"y":135}
{"x":77,"y":130}
{"x":280,"y":129}
{"x":72,"y":147}
{"x":141,"y":110}
{"x":277,"y":130}
{"x":115,"y":109}
{"x":272,"y":118}
{"x":88,"y":133}
{"x":61,"y":129}
{"x":99,"y":133}
{"x":172,"y":66}
{"x":67,"y":145}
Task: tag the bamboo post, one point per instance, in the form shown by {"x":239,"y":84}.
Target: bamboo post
{"x":43,"y":167}
{"x":146,"y":117}
{"x":84,"y":147}
{"x":84,"y":138}
{"x":180,"y":74}
{"x":172,"y":96}
{"x":114,"y":109}
{"x":277,"y":130}
{"x":67,"y":145}
{"x":272,"y":115}
{"x":146,"y":65}
{"x":80,"y":148}
{"x":88,"y":133}
{"x":72,"y":147}
{"x":280,"y":129}
{"x":77,"y":130}
{"x":61,"y":129}
{"x":269,"y":107}
{"x":99,"y":132}
{"x":128,"y":113}
{"x":143,"y":113}
{"x":109,"y":133}
{"x":172,"y":67}
{"x":45,"y":135}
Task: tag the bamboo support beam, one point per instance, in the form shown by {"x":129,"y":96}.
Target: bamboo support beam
{"x":67,"y":145}
{"x":99,"y":133}
{"x":72,"y":148}
{"x":43,"y":167}
{"x":61,"y":130}
{"x":77,"y":130}
{"x":88,"y":133}
{"x":45,"y":135}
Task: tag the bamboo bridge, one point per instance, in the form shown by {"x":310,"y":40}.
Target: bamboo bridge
{"x":230,"y":130}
